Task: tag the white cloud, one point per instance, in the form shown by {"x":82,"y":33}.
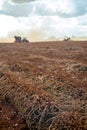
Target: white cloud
{"x":62,"y":8}
{"x":21,"y":1}
{"x":16,"y":10}
{"x":7,"y":24}
{"x":1,"y":3}
{"x":37,"y":25}
{"x":65,"y":6}
{"x":42,"y":19}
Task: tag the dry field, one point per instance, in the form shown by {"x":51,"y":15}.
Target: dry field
{"x":43,"y":86}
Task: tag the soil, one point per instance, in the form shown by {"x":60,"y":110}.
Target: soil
{"x":9,"y":119}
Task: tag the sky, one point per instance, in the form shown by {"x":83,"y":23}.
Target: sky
{"x":41,"y":20}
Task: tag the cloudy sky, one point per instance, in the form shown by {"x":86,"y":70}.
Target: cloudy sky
{"x":42,"y":19}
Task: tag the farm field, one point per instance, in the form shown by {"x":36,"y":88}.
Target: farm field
{"x":43,"y":86}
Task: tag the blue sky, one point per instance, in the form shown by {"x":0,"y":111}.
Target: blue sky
{"x":42,"y":19}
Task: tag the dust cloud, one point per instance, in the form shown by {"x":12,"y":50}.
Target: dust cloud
{"x":32,"y":36}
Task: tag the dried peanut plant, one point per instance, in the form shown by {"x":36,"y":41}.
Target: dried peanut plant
{"x":46,"y":83}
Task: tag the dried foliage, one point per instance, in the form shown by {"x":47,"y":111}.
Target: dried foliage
{"x":44,"y":85}
{"x":36,"y":106}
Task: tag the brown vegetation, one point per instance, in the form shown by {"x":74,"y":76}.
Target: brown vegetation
{"x":43,"y":86}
